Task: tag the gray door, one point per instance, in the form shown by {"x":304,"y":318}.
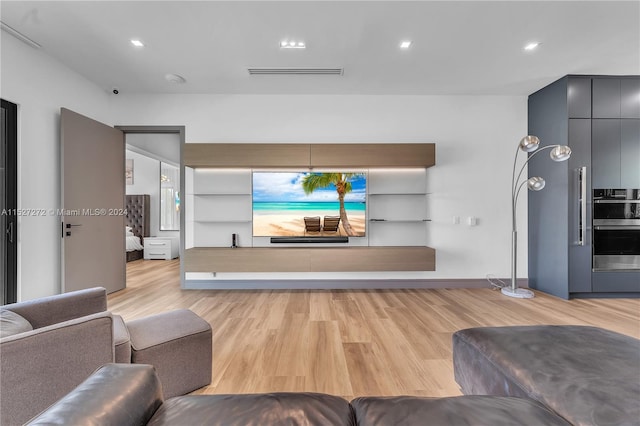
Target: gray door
{"x":92,"y":170}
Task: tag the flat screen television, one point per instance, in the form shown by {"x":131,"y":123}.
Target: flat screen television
{"x":307,"y":204}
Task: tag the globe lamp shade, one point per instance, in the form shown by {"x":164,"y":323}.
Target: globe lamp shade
{"x":535,"y":183}
{"x":560,"y":153}
{"x":529,"y":143}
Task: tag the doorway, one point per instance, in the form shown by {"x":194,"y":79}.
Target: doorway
{"x":157,"y":151}
{"x":9,"y":202}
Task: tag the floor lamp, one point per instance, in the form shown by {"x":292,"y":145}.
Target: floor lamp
{"x":527,"y":144}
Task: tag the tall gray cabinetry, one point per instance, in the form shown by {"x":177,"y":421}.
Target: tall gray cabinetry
{"x":584,"y":112}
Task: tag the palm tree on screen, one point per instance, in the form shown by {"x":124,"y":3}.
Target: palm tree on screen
{"x":341,"y":181}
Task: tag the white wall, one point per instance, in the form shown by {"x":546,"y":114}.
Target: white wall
{"x":41,"y":86}
{"x":475,"y":136}
{"x":161,"y":146}
{"x":146,"y":180}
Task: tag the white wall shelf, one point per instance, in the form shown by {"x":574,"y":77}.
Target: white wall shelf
{"x":398,"y":193}
{"x":221,"y":200}
{"x":222,"y":221}
{"x":398,"y":220}
{"x":217,"y":194}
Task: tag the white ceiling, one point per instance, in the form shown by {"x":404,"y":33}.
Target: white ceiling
{"x":459,"y":47}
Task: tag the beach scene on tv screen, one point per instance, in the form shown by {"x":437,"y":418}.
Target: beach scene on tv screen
{"x":291,"y":204}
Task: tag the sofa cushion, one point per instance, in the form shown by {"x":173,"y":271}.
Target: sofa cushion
{"x":121,"y":341}
{"x":587,"y":375}
{"x":271,"y":409}
{"x":12,"y":323}
{"x":158,"y":329}
{"x":115,"y":394}
{"x":457,"y":410}
{"x":179,"y":345}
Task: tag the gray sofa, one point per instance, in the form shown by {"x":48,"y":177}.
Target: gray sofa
{"x":48,"y":346}
{"x":65,"y":338}
{"x":123,"y":395}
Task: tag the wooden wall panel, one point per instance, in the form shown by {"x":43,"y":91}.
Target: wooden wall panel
{"x":310,"y":259}
{"x":246,"y":155}
{"x":373,"y":155}
{"x":304,"y":155}
{"x":243,"y":259}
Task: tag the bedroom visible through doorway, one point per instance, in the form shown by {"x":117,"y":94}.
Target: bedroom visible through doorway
{"x":153,"y":188}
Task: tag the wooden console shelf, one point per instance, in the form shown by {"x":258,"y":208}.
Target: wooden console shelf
{"x":309,"y":259}
{"x":309,"y":155}
{"x":373,"y":155}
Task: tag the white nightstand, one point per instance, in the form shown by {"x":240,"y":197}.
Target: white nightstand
{"x":161,"y":248}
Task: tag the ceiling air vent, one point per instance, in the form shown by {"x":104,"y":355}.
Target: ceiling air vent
{"x":295,"y":71}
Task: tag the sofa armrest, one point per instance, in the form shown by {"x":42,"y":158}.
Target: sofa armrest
{"x":116,"y":394}
{"x":40,"y":366}
{"x":61,"y":307}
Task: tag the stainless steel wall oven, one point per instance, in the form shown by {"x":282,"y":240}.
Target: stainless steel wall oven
{"x":616,"y":229}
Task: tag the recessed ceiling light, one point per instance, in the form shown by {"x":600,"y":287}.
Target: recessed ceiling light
{"x":405,"y":44}
{"x":137,"y":43}
{"x":292,"y":44}
{"x":532,"y":46}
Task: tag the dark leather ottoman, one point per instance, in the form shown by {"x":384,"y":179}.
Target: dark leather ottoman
{"x":587,"y":375}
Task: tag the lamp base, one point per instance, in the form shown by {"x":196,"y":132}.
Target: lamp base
{"x":520,"y":293}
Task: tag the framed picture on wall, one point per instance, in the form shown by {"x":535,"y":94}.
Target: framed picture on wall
{"x":128,"y":171}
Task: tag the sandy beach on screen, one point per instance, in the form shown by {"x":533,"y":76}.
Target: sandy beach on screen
{"x":289,"y":225}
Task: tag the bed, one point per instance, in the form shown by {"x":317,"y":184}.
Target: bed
{"x":136,"y":225}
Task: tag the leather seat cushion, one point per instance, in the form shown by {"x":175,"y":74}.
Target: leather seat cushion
{"x":272,"y":409}
{"x":457,"y":410}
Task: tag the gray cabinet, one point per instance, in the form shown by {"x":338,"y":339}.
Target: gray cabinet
{"x":630,"y":152}
{"x":606,"y":98}
{"x":579,"y":97}
{"x":558,"y":262}
{"x":599,"y":118}
{"x":618,"y":282}
{"x":616,"y":97}
{"x":630,"y":98}
{"x":616,"y":152}
{"x":606,"y":153}
{"x":579,"y":243}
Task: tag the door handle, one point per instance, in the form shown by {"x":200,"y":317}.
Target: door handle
{"x":68,"y":226}
{"x":9,"y":232}
{"x":582,"y":232}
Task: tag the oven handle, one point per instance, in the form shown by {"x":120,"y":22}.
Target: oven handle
{"x":617,"y":228}
{"x":616,"y":201}
{"x":582,"y":232}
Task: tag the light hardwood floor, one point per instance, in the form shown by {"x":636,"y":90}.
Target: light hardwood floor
{"x":348,"y":343}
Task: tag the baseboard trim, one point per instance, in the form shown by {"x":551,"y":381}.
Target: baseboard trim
{"x":355,"y":284}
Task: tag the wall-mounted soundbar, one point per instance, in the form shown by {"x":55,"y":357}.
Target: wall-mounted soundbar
{"x":309,"y":239}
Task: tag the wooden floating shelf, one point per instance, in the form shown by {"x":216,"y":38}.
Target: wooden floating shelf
{"x":252,"y":155}
{"x":309,"y":259}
